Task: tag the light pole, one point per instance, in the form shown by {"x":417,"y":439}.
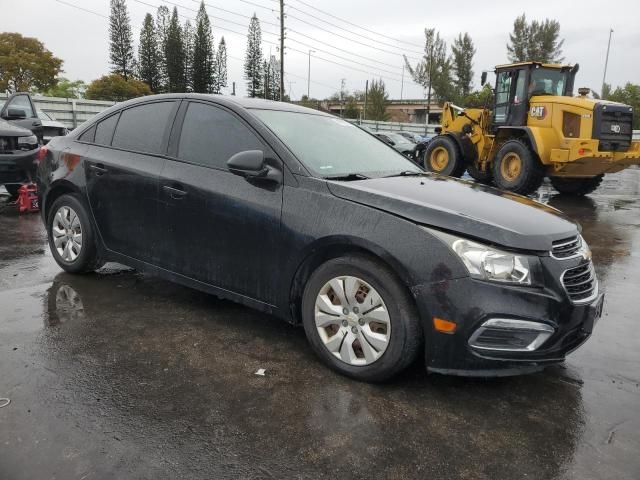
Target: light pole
{"x":606,"y":62}
{"x":309,"y":74}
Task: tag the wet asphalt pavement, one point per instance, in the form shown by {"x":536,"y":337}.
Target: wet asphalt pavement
{"x":118,"y":375}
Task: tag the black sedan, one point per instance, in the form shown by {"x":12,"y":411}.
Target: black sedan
{"x":307,"y":217}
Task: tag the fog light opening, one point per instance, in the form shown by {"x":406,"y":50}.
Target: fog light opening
{"x":509,"y":335}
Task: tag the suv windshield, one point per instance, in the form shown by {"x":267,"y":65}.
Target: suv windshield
{"x":332,"y":147}
{"x":548,"y":81}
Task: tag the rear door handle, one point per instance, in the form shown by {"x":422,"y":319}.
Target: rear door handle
{"x":175,"y":193}
{"x":98,"y":169}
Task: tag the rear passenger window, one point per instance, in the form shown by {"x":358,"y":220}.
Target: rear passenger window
{"x":104,"y":130}
{"x":142,"y":128}
{"x":210,"y":136}
{"x":89,"y":135}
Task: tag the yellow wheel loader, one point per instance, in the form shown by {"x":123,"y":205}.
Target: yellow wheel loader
{"x":535,"y":128}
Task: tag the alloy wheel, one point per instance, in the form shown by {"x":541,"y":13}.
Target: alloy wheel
{"x":352,"y":320}
{"x":67,"y":233}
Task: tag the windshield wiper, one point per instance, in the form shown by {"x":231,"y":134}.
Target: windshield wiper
{"x":405,"y":173}
{"x":347,"y":177}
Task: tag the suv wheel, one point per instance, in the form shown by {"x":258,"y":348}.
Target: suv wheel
{"x":359,"y":319}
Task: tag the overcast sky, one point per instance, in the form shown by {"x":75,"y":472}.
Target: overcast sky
{"x":81,"y":38}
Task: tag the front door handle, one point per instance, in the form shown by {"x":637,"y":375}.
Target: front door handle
{"x":98,"y":169}
{"x":36,"y":124}
{"x":175,"y":193}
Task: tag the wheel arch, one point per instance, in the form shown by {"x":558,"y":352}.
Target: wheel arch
{"x":54,"y":192}
{"x":525,"y":134}
{"x":338,"y":246}
{"x":465,"y":145}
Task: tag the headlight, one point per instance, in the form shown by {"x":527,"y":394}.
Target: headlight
{"x":488,"y":263}
{"x":30,"y":140}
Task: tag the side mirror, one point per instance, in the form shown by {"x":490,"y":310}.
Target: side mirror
{"x":248,"y":164}
{"x":16,"y":114}
{"x":483,"y":78}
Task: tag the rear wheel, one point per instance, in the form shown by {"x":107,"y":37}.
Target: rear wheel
{"x":576,"y":186}
{"x":516,"y":168}
{"x":71,"y":236}
{"x":443,"y":156}
{"x":359,"y":319}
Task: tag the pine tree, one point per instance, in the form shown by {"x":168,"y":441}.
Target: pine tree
{"x":221,"y":67}
{"x":174,"y":53}
{"x":121,"y":40}
{"x":272,"y":79}
{"x":377,"y":101}
{"x":148,"y":57}
{"x":434,"y":71}
{"x":163,"y":18}
{"x":535,"y":41}
{"x":253,"y":64}
{"x":463,"y":52}
{"x":203,"y":59}
{"x":188,"y":41}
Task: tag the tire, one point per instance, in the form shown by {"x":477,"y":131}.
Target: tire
{"x":576,"y":186}
{"x":481,"y":177}
{"x":524,"y":179}
{"x":403,"y":334}
{"x":444,"y":157}
{"x":80,"y":259}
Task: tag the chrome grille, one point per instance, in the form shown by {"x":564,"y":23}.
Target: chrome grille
{"x":581,"y":283}
{"x":566,"y":248}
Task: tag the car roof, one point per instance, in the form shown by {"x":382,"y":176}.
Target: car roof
{"x":230,"y":100}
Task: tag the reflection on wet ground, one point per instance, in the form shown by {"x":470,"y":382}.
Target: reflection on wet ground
{"x":117,"y":375}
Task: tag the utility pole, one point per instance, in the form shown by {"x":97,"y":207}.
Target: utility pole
{"x":366,"y":94}
{"x":402,"y":82}
{"x":281,"y":50}
{"x":426,"y":122}
{"x":606,"y":62}
{"x":233,"y":92}
{"x":309,"y":74}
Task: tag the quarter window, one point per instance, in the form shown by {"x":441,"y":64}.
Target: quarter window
{"x":142,"y":128}
{"x":104,"y":130}
{"x":210,"y":136}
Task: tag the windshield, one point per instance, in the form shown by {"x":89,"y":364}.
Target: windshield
{"x":44,"y":115}
{"x":330,"y":146}
{"x":548,"y":81}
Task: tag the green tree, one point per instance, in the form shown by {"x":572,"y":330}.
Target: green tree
{"x":148,"y":55}
{"x":272,"y":79}
{"x":163,"y":18}
{"x":203,"y":55}
{"x":434,"y":71}
{"x":479,"y":98}
{"x":116,"y":88}
{"x":377,"y":101}
{"x":188,"y":36}
{"x":535,"y":41}
{"x":66,"y":89}
{"x":254,"y":61}
{"x":629,"y":95}
{"x":25,"y":64}
{"x":175,"y":54}
{"x":221,"y":67}
{"x":463,"y":53}
{"x":121,"y":40}
{"x":351,"y":108}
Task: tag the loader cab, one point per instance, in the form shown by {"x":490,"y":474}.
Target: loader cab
{"x":517,"y":83}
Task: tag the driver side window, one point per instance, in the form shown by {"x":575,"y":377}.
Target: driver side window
{"x":503,"y":90}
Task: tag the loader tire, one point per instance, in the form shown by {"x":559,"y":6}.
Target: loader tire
{"x":444,"y":157}
{"x":576,"y":186}
{"x":517,"y":168}
{"x":479,"y":176}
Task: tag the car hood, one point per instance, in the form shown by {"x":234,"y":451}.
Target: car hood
{"x":468,"y":208}
{"x":53,"y":124}
{"x":10,"y":130}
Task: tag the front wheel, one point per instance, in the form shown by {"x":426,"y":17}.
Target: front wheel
{"x":71,"y":236}
{"x":478,"y":175}
{"x":516,"y":168}
{"x":359,"y":319}
{"x":444,"y":157}
{"x":576,"y":186}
